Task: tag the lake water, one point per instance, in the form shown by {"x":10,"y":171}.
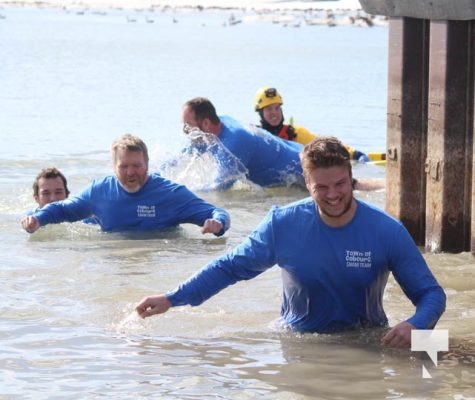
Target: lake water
{"x":71,"y":82}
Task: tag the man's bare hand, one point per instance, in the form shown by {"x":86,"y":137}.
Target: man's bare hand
{"x":151,"y":305}
{"x":30,"y":224}
{"x":211,"y":226}
{"x":399,"y":335}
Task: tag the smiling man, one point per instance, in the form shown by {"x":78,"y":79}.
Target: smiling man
{"x":268,"y":104}
{"x":335,"y":252}
{"x":132,"y":199}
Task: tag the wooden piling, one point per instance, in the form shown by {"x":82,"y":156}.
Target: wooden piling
{"x":431,"y":119}
{"x":449,"y":144}
{"x":407,"y":123}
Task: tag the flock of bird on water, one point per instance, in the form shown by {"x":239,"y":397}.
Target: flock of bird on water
{"x":286,"y":18}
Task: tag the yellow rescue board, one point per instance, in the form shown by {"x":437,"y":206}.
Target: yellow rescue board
{"x":377,"y":158}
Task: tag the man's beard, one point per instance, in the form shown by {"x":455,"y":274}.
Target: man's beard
{"x":343,"y":212}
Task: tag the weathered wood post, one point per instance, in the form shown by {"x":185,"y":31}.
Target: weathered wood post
{"x":430,"y":171}
{"x":450,"y":132}
{"x":407,"y":123}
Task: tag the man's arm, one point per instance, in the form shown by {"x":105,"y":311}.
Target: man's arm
{"x":74,"y":208}
{"x":246,"y":261}
{"x":190,"y":208}
{"x":420,"y":286}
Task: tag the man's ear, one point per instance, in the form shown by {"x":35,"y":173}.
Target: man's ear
{"x":206,"y":125}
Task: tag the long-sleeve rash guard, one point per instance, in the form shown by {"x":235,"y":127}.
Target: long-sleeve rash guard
{"x":333,"y":278}
{"x":159,"y":204}
{"x":268,"y":159}
{"x":265,"y":159}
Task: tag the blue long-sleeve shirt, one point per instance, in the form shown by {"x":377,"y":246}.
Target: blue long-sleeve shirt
{"x":333,"y":278}
{"x":265,"y":159}
{"x":268,"y":159}
{"x":160,"y":203}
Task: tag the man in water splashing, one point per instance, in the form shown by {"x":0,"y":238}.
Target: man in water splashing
{"x":335,"y":252}
{"x":269,"y":160}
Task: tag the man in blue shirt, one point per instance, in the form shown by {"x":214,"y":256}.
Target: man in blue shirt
{"x":132,"y":199}
{"x":335,"y":253}
{"x":267,"y":160}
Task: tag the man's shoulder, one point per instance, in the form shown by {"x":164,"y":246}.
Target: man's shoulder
{"x":100,"y":184}
{"x":304,"y":205}
{"x":228,"y":120}
{"x":103,"y":180}
{"x":156,"y":179}
{"x":291,"y":216}
{"x":376,"y":213}
{"x":233,"y":125}
{"x":158,"y":182}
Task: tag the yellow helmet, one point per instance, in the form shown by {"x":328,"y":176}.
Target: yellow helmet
{"x":267,"y":96}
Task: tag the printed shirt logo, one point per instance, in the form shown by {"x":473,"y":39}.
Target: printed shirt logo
{"x":146,"y":211}
{"x":358,"y":259}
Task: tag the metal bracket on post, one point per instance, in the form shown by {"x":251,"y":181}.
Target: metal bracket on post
{"x":392,"y":154}
{"x":433,"y":169}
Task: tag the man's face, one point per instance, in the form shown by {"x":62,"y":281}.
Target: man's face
{"x":331,"y":189}
{"x":272,"y":114}
{"x":49,"y":190}
{"x":131,"y":169}
{"x":189,"y":121}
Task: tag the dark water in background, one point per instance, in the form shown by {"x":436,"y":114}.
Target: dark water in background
{"x":70,"y":84}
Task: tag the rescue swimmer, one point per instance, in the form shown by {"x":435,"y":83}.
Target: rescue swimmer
{"x":268,"y":104}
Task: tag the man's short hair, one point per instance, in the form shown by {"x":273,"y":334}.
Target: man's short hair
{"x":202,"y":108}
{"x":129,"y":142}
{"x":49,"y":173}
{"x":324,"y":152}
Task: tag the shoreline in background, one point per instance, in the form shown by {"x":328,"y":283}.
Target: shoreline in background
{"x":273,"y":5}
{"x":323,"y":12}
